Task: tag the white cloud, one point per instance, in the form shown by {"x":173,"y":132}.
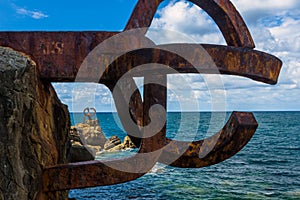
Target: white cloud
{"x":32,"y":14}
{"x":187,"y":18}
{"x":79,"y":96}
{"x":181,"y":17}
{"x":265,"y":5}
{"x":245,"y":5}
{"x":255,"y":10}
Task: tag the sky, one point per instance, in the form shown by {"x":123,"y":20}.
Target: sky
{"x":274,"y":25}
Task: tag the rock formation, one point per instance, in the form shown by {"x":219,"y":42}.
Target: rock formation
{"x":34,"y":127}
{"x":128,"y":144}
{"x":91,"y":133}
{"x":114,"y":144}
{"x":87,"y":139}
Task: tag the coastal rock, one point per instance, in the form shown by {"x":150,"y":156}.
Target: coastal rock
{"x":116,"y":148}
{"x":74,"y":137}
{"x":80,"y":153}
{"x":127,"y":144}
{"x":112,"y":142}
{"x":87,"y":139}
{"x":91,"y":133}
{"x":93,"y":149}
{"x":34,"y":129}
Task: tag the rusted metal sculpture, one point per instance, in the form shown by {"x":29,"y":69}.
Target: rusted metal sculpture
{"x":88,"y":114}
{"x":59,"y":56}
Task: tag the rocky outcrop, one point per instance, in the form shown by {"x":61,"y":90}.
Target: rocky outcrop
{"x":114,"y":144}
{"x":80,"y":153}
{"x":128,"y":144}
{"x":34,"y":127}
{"x":87,"y":139}
{"x":91,"y":133}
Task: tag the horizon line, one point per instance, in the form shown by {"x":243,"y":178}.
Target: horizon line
{"x":203,"y":111}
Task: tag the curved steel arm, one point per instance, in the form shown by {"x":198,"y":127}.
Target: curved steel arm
{"x":223,"y":12}
{"x":230,"y":140}
{"x":211,"y":59}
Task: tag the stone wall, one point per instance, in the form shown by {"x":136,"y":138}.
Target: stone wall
{"x":34,"y":127}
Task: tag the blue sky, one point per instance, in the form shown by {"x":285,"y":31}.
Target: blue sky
{"x":274,"y":26}
{"x":65,"y":15}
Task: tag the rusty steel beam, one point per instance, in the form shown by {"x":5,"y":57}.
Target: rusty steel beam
{"x":237,"y":132}
{"x":223,"y":12}
{"x":249,"y":63}
{"x":142,"y":14}
{"x":60,"y":55}
{"x":229,"y":21}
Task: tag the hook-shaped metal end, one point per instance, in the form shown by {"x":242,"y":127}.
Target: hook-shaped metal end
{"x":237,"y":132}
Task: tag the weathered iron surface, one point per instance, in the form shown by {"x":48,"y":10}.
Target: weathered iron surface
{"x":59,"y":56}
{"x":230,"y":140}
{"x":249,"y":63}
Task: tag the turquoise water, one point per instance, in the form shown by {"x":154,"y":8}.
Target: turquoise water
{"x":267,"y":168}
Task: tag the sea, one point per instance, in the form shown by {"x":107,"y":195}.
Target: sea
{"x":267,"y":168}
